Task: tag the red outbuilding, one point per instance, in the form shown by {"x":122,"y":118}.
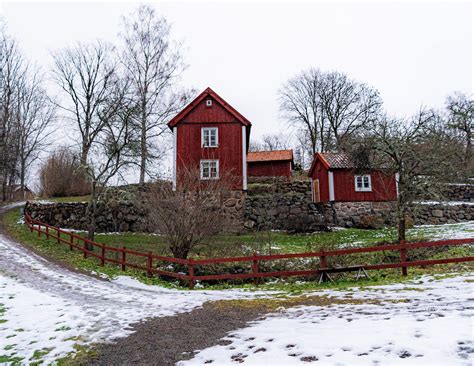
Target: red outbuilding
{"x":334,"y":178}
{"x":276,"y":163}
{"x":210,"y":135}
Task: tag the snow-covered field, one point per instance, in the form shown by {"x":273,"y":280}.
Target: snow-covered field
{"x":426,"y":322}
{"x":45,"y":309}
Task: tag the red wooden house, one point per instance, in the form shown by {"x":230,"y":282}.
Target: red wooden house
{"x":210,"y":135}
{"x":334,"y":178}
{"x":276,"y":163}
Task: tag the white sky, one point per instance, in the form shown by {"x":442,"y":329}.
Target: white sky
{"x":413,"y":52}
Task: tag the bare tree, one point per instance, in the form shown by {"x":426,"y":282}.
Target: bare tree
{"x":35,"y":116}
{"x":327,"y":106}
{"x":11,"y":66}
{"x":154,"y":63}
{"x":112,"y":149}
{"x":461,"y":119}
{"x":190,"y":214}
{"x":271,"y":142}
{"x":301,"y":105}
{"x":83,"y":73}
{"x":347,"y":106}
{"x":417,"y":149}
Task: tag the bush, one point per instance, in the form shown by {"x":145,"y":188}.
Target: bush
{"x":60,"y":175}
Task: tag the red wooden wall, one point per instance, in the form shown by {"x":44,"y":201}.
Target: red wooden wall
{"x":269,"y":169}
{"x":229,"y":151}
{"x":383,"y":186}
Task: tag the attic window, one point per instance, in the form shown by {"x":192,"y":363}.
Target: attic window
{"x":208,"y":102}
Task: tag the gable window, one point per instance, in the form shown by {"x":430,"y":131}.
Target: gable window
{"x":363,"y":183}
{"x":209,"y":169}
{"x":209,"y":137}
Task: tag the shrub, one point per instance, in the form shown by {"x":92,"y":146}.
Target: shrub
{"x":61,"y":175}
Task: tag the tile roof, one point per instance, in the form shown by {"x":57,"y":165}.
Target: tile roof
{"x":275,"y":155}
{"x":338,"y":160}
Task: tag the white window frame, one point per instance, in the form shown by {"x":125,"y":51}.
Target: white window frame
{"x":201,"y":169}
{"x":210,"y":129}
{"x":363,"y":188}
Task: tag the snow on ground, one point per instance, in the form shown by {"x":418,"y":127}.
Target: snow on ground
{"x":45,"y":309}
{"x":461,"y":230}
{"x":427,"y":322}
{"x":445,"y":203}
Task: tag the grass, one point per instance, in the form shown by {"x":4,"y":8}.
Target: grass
{"x":85,"y":198}
{"x":235,"y":245}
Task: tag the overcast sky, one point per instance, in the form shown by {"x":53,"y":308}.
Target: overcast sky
{"x":412,"y":52}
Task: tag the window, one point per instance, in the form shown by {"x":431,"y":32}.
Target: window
{"x":209,"y":169}
{"x":363,"y":183}
{"x":209,"y":137}
{"x":209,"y":103}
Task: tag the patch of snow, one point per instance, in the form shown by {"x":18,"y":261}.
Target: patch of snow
{"x":432,"y":325}
{"x":445,"y":203}
{"x":463,"y":230}
{"x":48,"y":306}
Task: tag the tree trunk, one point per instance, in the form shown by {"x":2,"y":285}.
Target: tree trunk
{"x":84,"y":154}
{"x":143,"y":143}
{"x":401,"y":224}
{"x":90,"y":213}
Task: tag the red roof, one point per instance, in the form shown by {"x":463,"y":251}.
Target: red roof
{"x":199,"y":99}
{"x":275,"y":155}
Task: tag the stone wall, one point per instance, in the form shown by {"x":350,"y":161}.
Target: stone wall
{"x":443,"y":213}
{"x":459,"y":192}
{"x":280,"y":206}
{"x":110,"y":218}
{"x":283,"y":211}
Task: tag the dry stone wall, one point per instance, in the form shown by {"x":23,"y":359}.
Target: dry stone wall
{"x":277,"y":206}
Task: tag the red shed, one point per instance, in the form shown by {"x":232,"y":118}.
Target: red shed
{"x":335,"y":178}
{"x":276,"y":163}
{"x":210,"y":135}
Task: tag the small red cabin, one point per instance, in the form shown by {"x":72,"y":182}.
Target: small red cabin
{"x":334,"y":178}
{"x":210,"y":135}
{"x":276,"y":163}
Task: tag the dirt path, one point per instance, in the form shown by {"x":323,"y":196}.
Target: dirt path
{"x":54,"y":306}
{"x":167,"y":340}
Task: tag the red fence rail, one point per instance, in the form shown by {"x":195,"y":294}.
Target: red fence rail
{"x":87,"y":246}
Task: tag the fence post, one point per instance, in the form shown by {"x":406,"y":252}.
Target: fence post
{"x":39,"y":231}
{"x":47,"y":232}
{"x":102,"y":255}
{"x":255,"y":267}
{"x":149,"y":264}
{"x":124,"y":257}
{"x":85,"y":249}
{"x":191,"y":273}
{"x":59,"y":235}
{"x":71,"y":240}
{"x":403,"y":258}
{"x":323,"y":262}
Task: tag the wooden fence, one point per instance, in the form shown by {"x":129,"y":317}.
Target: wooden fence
{"x":149,"y":260}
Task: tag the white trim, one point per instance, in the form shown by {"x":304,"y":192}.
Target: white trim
{"x":175,"y":155}
{"x":244,"y":158}
{"x":363,"y":189}
{"x":209,"y":129}
{"x":331,"y":186}
{"x":201,"y":168}
{"x":397,"y":178}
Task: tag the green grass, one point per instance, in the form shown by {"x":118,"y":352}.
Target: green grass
{"x":69,"y":199}
{"x":235,"y":245}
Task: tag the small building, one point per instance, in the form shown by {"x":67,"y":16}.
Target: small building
{"x":335,"y":178}
{"x":276,"y":163}
{"x":212,"y":136}
{"x":18,"y":193}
